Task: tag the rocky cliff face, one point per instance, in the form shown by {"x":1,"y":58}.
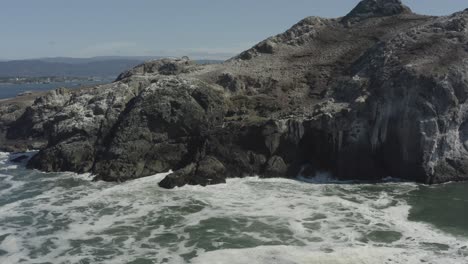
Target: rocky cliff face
{"x":380,"y":92}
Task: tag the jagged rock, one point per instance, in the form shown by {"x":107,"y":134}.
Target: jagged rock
{"x":230,"y":82}
{"x":276,"y":167}
{"x":10,"y":111}
{"x":75,"y":155}
{"x":375,"y":8}
{"x":179,"y":178}
{"x":381,"y":92}
{"x":160,"y":129}
{"x":163,"y":67}
{"x":266,"y":46}
{"x":211,"y":171}
{"x":206,"y":172}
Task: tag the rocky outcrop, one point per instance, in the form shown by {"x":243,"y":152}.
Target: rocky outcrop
{"x":207,"y":171}
{"x":160,"y":129}
{"x":10,"y":111}
{"x":380,"y":92}
{"x":375,"y":8}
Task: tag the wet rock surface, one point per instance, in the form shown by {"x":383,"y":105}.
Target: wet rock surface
{"x":381,"y":92}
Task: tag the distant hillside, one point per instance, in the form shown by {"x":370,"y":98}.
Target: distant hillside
{"x":69,"y":60}
{"x":106,"y":66}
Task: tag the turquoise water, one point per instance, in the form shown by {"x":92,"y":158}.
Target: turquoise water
{"x":67,"y":218}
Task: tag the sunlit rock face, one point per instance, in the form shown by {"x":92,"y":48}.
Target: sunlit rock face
{"x":380,"y":92}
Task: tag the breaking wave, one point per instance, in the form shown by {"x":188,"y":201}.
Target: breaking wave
{"x":67,"y":218}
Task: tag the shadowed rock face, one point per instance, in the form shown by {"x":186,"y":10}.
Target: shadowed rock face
{"x":381,"y":92}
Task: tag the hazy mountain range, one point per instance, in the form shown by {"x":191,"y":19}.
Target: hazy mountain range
{"x":74,"y":67}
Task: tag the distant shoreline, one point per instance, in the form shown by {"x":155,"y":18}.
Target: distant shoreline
{"x":52,"y":79}
{"x":13,"y":90}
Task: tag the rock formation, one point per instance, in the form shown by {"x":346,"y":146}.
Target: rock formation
{"x":380,"y":92}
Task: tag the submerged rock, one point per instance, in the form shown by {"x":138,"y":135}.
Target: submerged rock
{"x":381,"y":92}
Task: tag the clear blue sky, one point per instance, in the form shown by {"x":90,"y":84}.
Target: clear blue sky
{"x":198,"y":28}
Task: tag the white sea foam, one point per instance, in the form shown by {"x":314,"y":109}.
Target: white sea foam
{"x":299,"y":255}
{"x":71,"y":219}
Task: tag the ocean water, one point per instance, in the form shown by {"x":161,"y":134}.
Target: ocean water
{"x":67,"y":218}
{"x":11,"y":90}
